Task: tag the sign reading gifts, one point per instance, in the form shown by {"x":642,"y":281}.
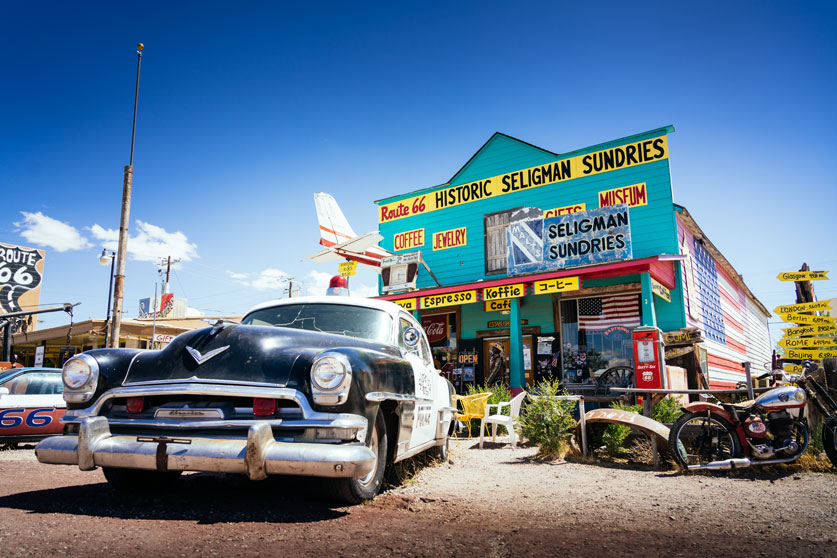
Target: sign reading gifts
{"x":571,"y":240}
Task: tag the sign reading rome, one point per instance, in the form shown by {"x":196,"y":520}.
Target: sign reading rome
{"x":807,"y":342}
{"x":21,"y":271}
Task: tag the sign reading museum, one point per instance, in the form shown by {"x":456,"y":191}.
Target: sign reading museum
{"x":576,"y":239}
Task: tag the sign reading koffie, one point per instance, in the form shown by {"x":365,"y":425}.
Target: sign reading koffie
{"x":572,"y":240}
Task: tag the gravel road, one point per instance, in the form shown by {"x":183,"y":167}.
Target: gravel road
{"x":493,"y":502}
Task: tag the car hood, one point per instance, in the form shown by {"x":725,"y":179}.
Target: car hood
{"x":241,"y":353}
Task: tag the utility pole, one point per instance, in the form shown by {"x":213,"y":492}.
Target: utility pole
{"x":122,"y":251}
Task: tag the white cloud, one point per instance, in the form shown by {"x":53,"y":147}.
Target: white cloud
{"x":41,"y":230}
{"x":150,"y":243}
{"x":265,"y":280}
{"x":316,"y":284}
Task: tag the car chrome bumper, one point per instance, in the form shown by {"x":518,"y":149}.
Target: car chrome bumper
{"x":258,"y":456}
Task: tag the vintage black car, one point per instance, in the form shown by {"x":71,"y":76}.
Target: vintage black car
{"x":334,"y":387}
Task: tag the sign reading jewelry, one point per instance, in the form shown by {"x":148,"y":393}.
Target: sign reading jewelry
{"x":572,"y":240}
{"x":21,"y":270}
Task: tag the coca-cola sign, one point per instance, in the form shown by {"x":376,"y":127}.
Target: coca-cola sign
{"x":436,"y":327}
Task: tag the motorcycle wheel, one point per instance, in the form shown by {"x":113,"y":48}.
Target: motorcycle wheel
{"x":829,"y":439}
{"x":700,"y":438}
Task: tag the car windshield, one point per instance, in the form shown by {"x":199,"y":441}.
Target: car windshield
{"x":353,"y":321}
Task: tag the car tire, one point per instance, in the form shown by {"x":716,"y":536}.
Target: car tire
{"x":139,"y":480}
{"x":357,"y":490}
{"x":440,"y":453}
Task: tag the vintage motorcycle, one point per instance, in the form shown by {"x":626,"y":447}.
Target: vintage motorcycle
{"x":765,"y":431}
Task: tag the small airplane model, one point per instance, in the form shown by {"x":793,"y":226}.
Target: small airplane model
{"x":340,"y":240}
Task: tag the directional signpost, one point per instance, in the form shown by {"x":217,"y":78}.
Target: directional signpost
{"x":347,"y":269}
{"x":801,"y":342}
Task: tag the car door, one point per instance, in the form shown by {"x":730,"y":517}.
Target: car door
{"x":420,"y":359}
{"x":33,"y":406}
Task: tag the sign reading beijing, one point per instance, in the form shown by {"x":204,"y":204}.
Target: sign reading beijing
{"x":589,"y":164}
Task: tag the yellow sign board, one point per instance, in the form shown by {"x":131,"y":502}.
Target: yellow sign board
{"x":806,"y":319}
{"x":807,"y":342}
{"x":660,"y":290}
{"x":347,"y":269}
{"x":448,"y":299}
{"x":589,"y":164}
{"x":810,"y":354}
{"x":802,"y":276}
{"x":634,"y":195}
{"x":408,"y":304}
{"x":556,"y":285}
{"x":566,"y":210}
{"x":809,"y":330}
{"x":504,"y":291}
{"x":501,"y":305}
{"x":450,"y":239}
{"x":804,"y":307}
{"x":792,"y":368}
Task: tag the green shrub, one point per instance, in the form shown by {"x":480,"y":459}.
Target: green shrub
{"x":614,"y":435}
{"x":548,"y":422}
{"x":666,"y":411}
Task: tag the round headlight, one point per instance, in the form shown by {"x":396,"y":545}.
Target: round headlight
{"x":329,"y":371}
{"x":76,"y":373}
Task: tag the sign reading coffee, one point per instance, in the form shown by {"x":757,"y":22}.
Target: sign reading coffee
{"x":21,"y":271}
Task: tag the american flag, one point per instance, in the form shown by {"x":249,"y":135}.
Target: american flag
{"x":604,"y":312}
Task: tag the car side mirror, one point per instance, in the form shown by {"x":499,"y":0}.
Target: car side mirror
{"x":411,"y":337}
{"x":4,"y":391}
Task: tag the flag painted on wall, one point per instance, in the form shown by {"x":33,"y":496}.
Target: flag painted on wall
{"x":603,"y":312}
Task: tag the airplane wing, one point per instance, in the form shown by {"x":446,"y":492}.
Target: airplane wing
{"x":359,"y":243}
{"x":324,"y":256}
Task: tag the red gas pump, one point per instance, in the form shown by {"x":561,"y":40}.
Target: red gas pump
{"x":649,"y":358}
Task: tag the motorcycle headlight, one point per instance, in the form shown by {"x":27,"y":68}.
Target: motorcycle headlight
{"x":331,"y":379}
{"x":80,"y":376}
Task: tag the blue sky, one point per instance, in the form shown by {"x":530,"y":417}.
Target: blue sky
{"x":247,"y":109}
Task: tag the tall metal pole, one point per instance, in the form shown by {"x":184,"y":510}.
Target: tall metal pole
{"x":128,"y":177}
{"x":110,"y":297}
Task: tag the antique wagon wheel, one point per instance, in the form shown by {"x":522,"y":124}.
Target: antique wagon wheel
{"x":615,"y":376}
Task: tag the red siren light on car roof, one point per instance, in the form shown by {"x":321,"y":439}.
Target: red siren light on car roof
{"x":338,"y":285}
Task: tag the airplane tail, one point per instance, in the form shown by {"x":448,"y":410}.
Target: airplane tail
{"x":334,"y":228}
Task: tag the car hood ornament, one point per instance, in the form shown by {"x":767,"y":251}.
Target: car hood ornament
{"x":200,"y":359}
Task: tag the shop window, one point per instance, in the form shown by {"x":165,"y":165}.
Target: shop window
{"x":596,"y":334}
{"x":495,"y":241}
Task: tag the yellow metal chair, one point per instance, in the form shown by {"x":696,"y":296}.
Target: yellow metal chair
{"x":473,"y":407}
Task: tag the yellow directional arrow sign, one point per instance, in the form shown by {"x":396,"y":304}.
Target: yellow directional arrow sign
{"x":809,"y":330}
{"x":806,"y":319}
{"x":807,"y":342}
{"x":804,"y":307}
{"x":802,"y":276}
{"x":810,"y":354}
{"x":793,"y":368}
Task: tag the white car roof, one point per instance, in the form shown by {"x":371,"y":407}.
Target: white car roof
{"x":389,"y":307}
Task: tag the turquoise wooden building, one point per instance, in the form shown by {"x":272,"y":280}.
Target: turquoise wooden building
{"x":529,"y":262}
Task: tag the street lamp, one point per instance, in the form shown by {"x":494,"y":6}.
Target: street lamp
{"x":103,"y":260}
{"x":122,"y":250}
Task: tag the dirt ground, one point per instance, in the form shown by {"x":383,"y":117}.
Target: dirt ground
{"x":492,"y":502}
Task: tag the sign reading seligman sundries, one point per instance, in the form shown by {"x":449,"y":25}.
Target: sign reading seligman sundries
{"x":21,"y":272}
{"x":572,"y":240}
{"x":589,"y":164}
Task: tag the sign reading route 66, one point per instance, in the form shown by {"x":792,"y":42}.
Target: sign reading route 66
{"x":21,"y":271}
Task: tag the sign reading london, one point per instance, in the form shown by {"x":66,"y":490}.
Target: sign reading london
{"x":572,"y":240}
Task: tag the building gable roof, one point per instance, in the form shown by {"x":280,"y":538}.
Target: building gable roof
{"x":492,"y":158}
